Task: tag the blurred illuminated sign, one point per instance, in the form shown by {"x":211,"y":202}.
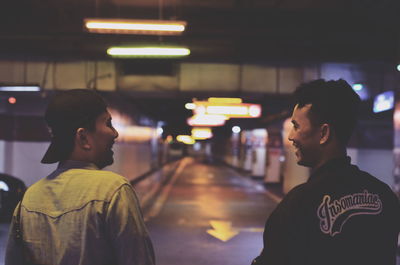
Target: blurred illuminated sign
{"x":206,"y":120}
{"x":201,"y":133}
{"x":186,"y":139}
{"x":384,"y":101}
{"x":230,"y":110}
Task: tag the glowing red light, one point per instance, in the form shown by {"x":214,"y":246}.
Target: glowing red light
{"x":12,"y":100}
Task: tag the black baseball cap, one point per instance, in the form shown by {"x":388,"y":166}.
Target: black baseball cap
{"x":67,"y":111}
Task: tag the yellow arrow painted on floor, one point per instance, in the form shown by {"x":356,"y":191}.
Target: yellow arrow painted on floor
{"x":222,"y":230}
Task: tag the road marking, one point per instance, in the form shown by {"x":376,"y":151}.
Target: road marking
{"x":224,"y":231}
{"x":160,"y":201}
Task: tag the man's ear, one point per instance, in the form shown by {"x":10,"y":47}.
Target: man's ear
{"x":326,"y":132}
{"x":82,"y":139}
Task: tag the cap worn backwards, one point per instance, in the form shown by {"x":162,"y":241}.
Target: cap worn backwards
{"x":66,"y":112}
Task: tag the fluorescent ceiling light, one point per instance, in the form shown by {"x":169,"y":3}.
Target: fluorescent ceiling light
{"x":225,"y":100}
{"x":206,"y":120}
{"x":20,"y":88}
{"x":228,"y":110}
{"x":134,"y":26}
{"x":147,"y":51}
{"x":236,"y":111}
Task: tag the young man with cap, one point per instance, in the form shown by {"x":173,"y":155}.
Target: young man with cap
{"x":341,"y":215}
{"x":80,"y":214}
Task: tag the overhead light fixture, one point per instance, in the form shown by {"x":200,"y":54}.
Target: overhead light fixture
{"x":186,"y":139}
{"x":236,"y":129}
{"x":230,"y":110}
{"x":134,"y":26}
{"x":190,"y":106}
{"x":19,"y":88}
{"x":357,"y":87}
{"x":225,"y":100}
{"x":384,"y":101}
{"x":12,"y":100}
{"x":206,"y":120}
{"x":147,"y":52}
{"x":201,"y":133}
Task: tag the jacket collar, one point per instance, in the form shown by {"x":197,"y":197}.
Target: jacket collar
{"x":338,"y":162}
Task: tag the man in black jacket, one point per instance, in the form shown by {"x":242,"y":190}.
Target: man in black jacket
{"x":341,"y":215}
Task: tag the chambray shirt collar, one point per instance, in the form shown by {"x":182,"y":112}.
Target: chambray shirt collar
{"x":73,"y":164}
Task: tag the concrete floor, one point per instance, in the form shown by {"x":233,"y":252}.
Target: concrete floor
{"x":206,"y":197}
{"x":205,"y":215}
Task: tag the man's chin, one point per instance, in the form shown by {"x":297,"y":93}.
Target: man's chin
{"x":300,"y":160}
{"x":303,"y":163}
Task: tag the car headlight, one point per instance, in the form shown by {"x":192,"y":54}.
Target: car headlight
{"x":3,"y":186}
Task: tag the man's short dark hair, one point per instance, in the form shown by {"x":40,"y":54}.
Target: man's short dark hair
{"x":332,"y":102}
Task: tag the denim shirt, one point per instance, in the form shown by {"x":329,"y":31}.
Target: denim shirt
{"x":82,"y":215}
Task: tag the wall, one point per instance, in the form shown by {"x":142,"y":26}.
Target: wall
{"x":131,"y":159}
{"x":60,"y":74}
{"x":22,"y":160}
{"x":275,"y":78}
{"x":377,"y":162}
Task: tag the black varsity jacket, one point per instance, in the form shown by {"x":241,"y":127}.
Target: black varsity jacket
{"x":340,"y":216}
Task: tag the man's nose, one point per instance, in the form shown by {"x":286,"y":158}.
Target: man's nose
{"x":290,"y":135}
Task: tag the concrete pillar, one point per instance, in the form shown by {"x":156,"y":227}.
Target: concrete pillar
{"x":259,"y":143}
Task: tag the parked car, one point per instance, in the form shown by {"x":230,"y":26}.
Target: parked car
{"x":11,"y":191}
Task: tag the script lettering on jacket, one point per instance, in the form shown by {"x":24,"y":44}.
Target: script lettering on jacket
{"x":334,"y":214}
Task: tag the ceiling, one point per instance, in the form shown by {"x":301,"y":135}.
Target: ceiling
{"x":239,"y":31}
{"x":223,"y":30}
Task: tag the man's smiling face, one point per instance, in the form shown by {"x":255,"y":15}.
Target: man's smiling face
{"x":305,"y":137}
